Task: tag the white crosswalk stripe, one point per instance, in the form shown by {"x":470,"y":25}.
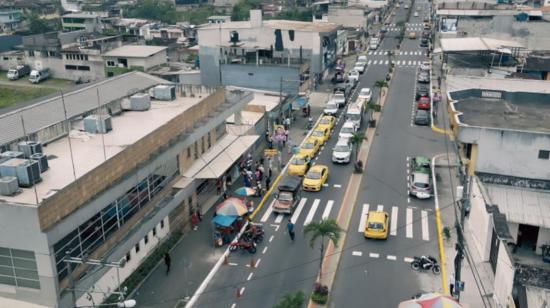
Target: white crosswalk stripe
{"x":298,"y":210}
{"x":410,"y":62}
{"x":380,"y":208}
{"x":398,"y":62}
{"x":279,"y":218}
{"x":375,"y":61}
{"x":363,"y":218}
{"x":425,"y":229}
{"x":312,"y":211}
{"x":385,"y":53}
{"x":393,"y":221}
{"x":328,"y":208}
{"x":368,"y":63}
{"x":408,"y":222}
{"x":387,"y":62}
{"x":268,"y":212}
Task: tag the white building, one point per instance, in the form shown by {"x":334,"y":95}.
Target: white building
{"x":133,"y":57}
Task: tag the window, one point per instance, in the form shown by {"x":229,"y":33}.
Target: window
{"x":196,"y":149}
{"x":155,"y":231}
{"x":70,"y":67}
{"x":146,"y":239}
{"x":209,"y":139}
{"x":543,"y":154}
{"x":202,"y":145}
{"x":6,"y":58}
{"x":18,"y":268}
{"x":83,"y":68}
{"x":31,"y":53}
{"x":162,"y":224}
{"x":128,"y":256}
{"x":137,"y":247}
{"x":188,"y":152}
{"x":111,"y":63}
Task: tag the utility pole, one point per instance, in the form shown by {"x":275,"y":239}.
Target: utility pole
{"x":464,"y":206}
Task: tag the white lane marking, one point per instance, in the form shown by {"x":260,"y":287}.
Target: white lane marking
{"x":265,"y":249}
{"x":408,"y":198}
{"x":363,"y":218}
{"x":312,"y":211}
{"x":357,"y":253}
{"x":258,"y":262}
{"x":233,"y":305}
{"x":410,"y":62}
{"x":408,"y":260}
{"x":369,"y":53}
{"x":249,"y":276}
{"x":408,"y":158}
{"x":325,"y":185}
{"x":337,"y":185}
{"x":271,"y":238}
{"x":327,"y":209}
{"x":374,"y":255}
{"x":390,"y":257}
{"x":380,"y":208}
{"x":375,"y":61}
{"x":298,"y":210}
{"x":385,"y":53}
{"x":232,"y":264}
{"x":368,"y":63}
{"x":387,"y":62}
{"x":398,"y":62}
{"x":409,"y":226}
{"x":241,"y":291}
{"x":425,"y":229}
{"x":276,"y":227}
{"x":393,"y":222}
{"x":267,"y":213}
{"x":279,"y":218}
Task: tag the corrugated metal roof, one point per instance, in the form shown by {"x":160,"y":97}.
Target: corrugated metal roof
{"x":475,"y":44}
{"x":50,"y":111}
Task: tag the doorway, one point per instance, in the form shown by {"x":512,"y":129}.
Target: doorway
{"x":527,"y":236}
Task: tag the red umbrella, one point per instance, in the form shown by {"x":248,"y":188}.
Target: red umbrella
{"x":431,"y":300}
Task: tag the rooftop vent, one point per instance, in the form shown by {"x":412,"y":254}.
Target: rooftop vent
{"x":29,"y":148}
{"x":98,"y":124}
{"x":165,"y":93}
{"x":8,"y":185}
{"x":140,"y":102}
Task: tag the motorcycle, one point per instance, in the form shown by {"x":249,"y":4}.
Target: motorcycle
{"x":243,"y":245}
{"x":256,"y":235}
{"x":426,"y":263}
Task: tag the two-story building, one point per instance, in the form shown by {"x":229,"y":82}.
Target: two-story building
{"x":87,"y":21}
{"x":133,"y":57}
{"x":264,"y":54}
{"x":9,"y":20}
{"x":125,"y":171}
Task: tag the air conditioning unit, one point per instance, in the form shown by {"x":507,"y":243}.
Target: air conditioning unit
{"x":98,"y":124}
{"x":140,"y":102}
{"x":42,"y":161}
{"x":165,"y":93}
{"x":28,"y":173}
{"x":12,"y":154}
{"x":29,"y":148}
{"x":8,"y":185}
{"x":9,"y":167}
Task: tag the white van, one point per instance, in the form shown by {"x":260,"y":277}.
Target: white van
{"x":373,"y":44}
{"x":39,"y":75}
{"x":354,"y":114}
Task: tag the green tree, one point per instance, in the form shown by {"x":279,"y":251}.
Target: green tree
{"x":296,"y":14}
{"x":37,"y":24}
{"x":241,"y":10}
{"x":199,"y":15}
{"x":160,"y":10}
{"x":356,"y":140}
{"x":326,"y":228}
{"x":292,"y":300}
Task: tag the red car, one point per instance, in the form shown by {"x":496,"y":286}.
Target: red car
{"x":424,"y":103}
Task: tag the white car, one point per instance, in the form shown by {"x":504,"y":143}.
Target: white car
{"x":331,"y":108}
{"x":362,"y":59}
{"x":425,"y":66}
{"x":360,"y":67}
{"x":354,"y":75}
{"x":341,"y":153}
{"x":365,"y":94}
{"x":339,"y":99}
{"x":348,"y":129}
{"x":415,"y":14}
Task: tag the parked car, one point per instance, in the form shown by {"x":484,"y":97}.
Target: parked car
{"x":343,"y":87}
{"x":424,"y":42}
{"x":412,"y":35}
{"x":420,"y":164}
{"x":331,"y":108}
{"x":422,"y":117}
{"x":18,"y":72}
{"x":426,"y":34}
{"x":425,"y":66}
{"x":339,"y":99}
{"x":321,"y":135}
{"x":423,"y":103}
{"x":360,"y":67}
{"x":365,"y":94}
{"x":326,"y":122}
{"x":338,"y":78}
{"x":426,"y":19}
{"x":406,"y":6}
{"x":341,"y":153}
{"x":422,"y":91}
{"x":420,"y":185}
{"x":353,"y":82}
{"x":353,"y":75}
{"x":423,"y":77}
{"x":348,"y":129}
{"x":362,"y":59}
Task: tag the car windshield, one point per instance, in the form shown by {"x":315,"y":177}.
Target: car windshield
{"x":376,"y":225}
{"x":298,"y":161}
{"x":314,"y":175}
{"x":12,"y":71}
{"x":365,"y":92}
{"x":421,"y":185}
{"x":341,"y":148}
{"x":318,"y":133}
{"x":339,"y":96}
{"x":331,"y":106}
{"x":346,"y":130}
{"x":325,"y":121}
{"x":308,"y":145}
{"x":285,"y":196}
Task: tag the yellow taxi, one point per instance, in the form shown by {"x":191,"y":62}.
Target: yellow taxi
{"x":298,"y":165}
{"x":377,"y":225}
{"x":310,"y":148}
{"x":326,"y":122}
{"x":315,"y":178}
{"x":321,"y":135}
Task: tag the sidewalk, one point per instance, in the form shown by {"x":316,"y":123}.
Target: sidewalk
{"x":447,"y":180}
{"x":194,"y":255}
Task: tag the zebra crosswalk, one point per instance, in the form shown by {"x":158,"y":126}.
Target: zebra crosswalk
{"x":397,"y":62}
{"x":397,"y":53}
{"x":410,"y":224}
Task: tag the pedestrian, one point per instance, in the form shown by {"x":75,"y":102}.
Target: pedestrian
{"x":290,"y":228}
{"x":452,"y":284}
{"x":195,"y":221}
{"x":262,"y":161}
{"x":308,"y":110}
{"x":225,"y":195}
{"x":224,"y":184}
{"x":279,"y":161}
{"x":167,"y":261}
{"x":270,"y":142}
{"x":287,"y":123}
{"x":267,"y":136}
{"x":259,"y":188}
{"x":218,"y":187}
{"x":228,"y":180}
{"x":284,"y":140}
{"x":269,"y":172}
{"x":250,"y":206}
{"x":290,"y":145}
{"x":267,"y":182}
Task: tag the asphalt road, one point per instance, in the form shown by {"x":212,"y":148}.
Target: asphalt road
{"x":378,"y":272}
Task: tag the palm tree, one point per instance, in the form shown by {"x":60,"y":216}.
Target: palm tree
{"x":291,"y":300}
{"x":380,"y":84}
{"x":356,"y":140}
{"x":325,"y":228}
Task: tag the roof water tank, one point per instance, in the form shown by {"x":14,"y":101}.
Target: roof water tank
{"x":140,"y":102}
{"x":165,"y":93}
{"x":28,"y":173}
{"x":29,"y":147}
{"x":42,"y":161}
{"x":8,"y":185}
{"x":98,"y":124}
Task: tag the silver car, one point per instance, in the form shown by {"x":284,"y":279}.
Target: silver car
{"x":420,"y":185}
{"x":341,"y":153}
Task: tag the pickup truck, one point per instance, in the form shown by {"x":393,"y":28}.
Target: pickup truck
{"x":288,"y":195}
{"x":18,"y":72}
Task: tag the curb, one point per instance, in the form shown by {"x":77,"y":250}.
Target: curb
{"x":439,"y":231}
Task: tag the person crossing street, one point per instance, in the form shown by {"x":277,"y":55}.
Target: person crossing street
{"x":290,"y":228}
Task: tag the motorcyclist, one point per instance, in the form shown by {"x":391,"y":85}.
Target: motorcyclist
{"x":309,"y":122}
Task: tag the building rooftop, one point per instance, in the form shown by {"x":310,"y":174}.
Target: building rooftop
{"x":476,"y":44}
{"x":81,"y":15}
{"x":305,"y":26}
{"x":521,"y":205}
{"x":88,"y":151}
{"x":134,"y":51}
{"x":458,"y":83}
{"x":499,"y":113}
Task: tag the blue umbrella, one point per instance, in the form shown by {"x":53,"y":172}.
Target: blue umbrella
{"x":224,"y":221}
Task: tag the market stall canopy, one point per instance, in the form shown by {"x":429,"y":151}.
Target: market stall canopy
{"x":431,"y":300}
{"x":232,"y":207}
{"x":223,"y":220}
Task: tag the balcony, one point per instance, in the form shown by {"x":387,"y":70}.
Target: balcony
{"x":302,"y":64}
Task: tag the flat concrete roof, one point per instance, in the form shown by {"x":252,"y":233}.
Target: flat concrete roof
{"x":88,"y":151}
{"x":304,"y":26}
{"x":499,"y":113}
{"x":134,"y":51}
{"x":81,"y":15}
{"x":457,"y":83}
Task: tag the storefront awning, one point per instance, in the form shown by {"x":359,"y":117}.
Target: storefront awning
{"x":215,"y":168}
{"x":210,"y":155}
